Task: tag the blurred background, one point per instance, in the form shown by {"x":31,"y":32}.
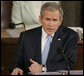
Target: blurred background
{"x":11,"y":29}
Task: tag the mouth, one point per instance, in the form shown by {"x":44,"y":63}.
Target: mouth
{"x":50,"y":29}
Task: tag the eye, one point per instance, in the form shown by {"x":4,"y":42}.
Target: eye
{"x":55,"y":19}
{"x":47,"y":19}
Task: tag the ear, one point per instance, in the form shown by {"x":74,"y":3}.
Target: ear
{"x":40,"y":18}
{"x":61,"y":20}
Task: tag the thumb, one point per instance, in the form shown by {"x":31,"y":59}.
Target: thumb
{"x":32,"y":61}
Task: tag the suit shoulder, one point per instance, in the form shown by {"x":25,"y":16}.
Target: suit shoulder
{"x":70,"y":31}
{"x":32,"y":31}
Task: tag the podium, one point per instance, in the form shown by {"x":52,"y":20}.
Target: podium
{"x":60,"y":72}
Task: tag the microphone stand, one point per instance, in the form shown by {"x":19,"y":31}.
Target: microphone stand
{"x":67,"y":62}
{"x":60,"y":51}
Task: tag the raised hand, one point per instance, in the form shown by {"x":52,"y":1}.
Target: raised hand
{"x":35,"y":67}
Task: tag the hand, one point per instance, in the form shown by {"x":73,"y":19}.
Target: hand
{"x":17,"y":71}
{"x":35,"y":67}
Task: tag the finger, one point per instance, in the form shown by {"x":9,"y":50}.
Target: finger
{"x":21,"y":72}
{"x":34,"y":71}
{"x":32,"y":61}
{"x":33,"y":65}
{"x":30,"y":68}
{"x":14,"y":73}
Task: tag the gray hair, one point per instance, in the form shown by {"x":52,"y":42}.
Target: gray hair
{"x":51,"y":6}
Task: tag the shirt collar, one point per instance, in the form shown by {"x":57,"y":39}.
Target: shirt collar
{"x":44,"y":34}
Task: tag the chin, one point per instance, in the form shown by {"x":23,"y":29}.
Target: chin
{"x":49,"y":33}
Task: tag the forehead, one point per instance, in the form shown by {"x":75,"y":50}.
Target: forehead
{"x":51,"y":13}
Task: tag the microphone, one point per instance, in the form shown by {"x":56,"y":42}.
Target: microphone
{"x":61,"y":52}
{"x":12,"y":25}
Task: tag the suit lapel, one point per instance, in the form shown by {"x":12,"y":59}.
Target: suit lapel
{"x":55,"y":44}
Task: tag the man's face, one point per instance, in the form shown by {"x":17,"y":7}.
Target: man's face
{"x":51,"y":21}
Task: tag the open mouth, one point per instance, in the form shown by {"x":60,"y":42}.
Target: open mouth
{"x":50,"y":29}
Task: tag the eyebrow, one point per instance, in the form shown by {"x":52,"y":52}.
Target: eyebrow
{"x":50,"y":19}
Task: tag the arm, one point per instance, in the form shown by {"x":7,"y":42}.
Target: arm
{"x":18,"y":59}
{"x":71,"y":51}
{"x":20,"y":49}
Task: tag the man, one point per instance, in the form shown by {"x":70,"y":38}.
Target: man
{"x":33,"y":42}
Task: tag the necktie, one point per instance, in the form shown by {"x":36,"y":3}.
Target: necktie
{"x":46,"y":50}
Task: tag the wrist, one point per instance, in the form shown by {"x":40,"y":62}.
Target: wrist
{"x":44,"y":69}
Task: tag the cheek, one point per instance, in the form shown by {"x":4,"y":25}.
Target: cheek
{"x":57,"y":23}
{"x":45,"y":23}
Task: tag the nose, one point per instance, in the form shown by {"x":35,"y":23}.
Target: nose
{"x":51,"y":23}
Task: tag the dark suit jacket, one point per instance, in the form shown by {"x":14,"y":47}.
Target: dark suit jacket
{"x":30,"y":47}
